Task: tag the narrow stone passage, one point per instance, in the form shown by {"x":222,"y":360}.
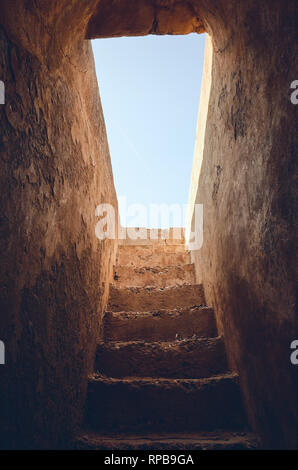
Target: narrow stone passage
{"x":161,"y":377}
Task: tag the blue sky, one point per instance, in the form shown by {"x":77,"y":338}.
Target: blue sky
{"x":150,"y":88}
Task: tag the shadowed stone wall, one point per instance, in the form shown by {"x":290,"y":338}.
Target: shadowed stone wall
{"x":55,"y":170}
{"x":247,"y":183}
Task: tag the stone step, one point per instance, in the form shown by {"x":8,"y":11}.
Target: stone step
{"x":194,"y":357}
{"x":147,"y":236}
{"x":151,"y":255}
{"x":146,"y":299}
{"x":161,"y":405}
{"x":218,"y":440}
{"x":161,"y":325}
{"x":128,"y":276}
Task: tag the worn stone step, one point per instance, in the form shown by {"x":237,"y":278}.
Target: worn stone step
{"x":159,"y":404}
{"x":160,"y":325}
{"x":190,"y":358}
{"x":128,"y":276}
{"x":146,"y":299}
{"x":218,"y":440}
{"x":152,"y":255}
{"x":152,"y":236}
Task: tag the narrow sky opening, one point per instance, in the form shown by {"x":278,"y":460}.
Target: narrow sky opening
{"x":150,"y":88}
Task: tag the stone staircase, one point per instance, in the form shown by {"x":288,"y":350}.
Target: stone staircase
{"x":161,"y":376}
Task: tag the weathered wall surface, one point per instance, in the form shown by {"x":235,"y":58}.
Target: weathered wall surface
{"x":55,"y":170}
{"x":247,"y":185}
{"x":114,"y":18}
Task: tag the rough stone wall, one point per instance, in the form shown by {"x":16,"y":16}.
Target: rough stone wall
{"x":114,"y":18}
{"x":55,"y":170}
{"x":247,"y":184}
